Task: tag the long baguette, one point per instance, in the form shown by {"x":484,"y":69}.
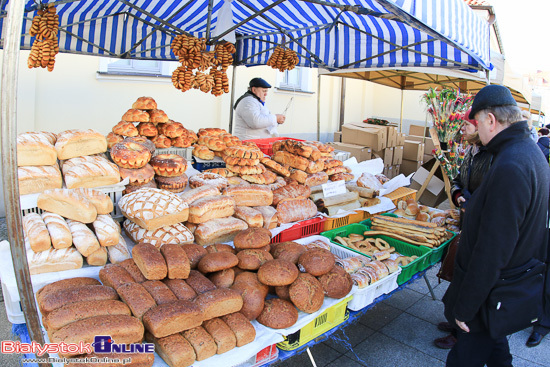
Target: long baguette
{"x":405,"y":223}
{"x":414,"y":237}
{"x":397,"y":237}
{"x":399,"y":230}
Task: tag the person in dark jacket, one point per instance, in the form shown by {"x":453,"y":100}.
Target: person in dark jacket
{"x":504,"y":227}
{"x":544,"y":142}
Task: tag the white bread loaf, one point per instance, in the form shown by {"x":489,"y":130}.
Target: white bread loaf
{"x":35,"y":150}
{"x":67,"y":203}
{"x":35,"y":179}
{"x":174,"y":234}
{"x":153,"y":208}
{"x":53,"y":260}
{"x":251,"y":216}
{"x":90,"y":171}
{"x":77,"y":143}
{"x":59,"y":230}
{"x":269,"y":215}
{"x":199,"y":193}
{"x":102,"y":202}
{"x":106,"y":230}
{"x":118,"y":252}
{"x":98,"y":258}
{"x":36,"y":232}
{"x":84,"y":239}
{"x":50,"y":137}
{"x":250,"y":195}
{"x":218,"y":230}
{"x":211,"y":207}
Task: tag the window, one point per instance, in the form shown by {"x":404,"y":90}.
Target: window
{"x":136,"y":67}
{"x":297,"y":79}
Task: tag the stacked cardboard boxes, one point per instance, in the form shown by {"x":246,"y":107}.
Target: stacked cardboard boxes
{"x":418,"y":149}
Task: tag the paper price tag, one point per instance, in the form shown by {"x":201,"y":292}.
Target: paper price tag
{"x":334,"y":188}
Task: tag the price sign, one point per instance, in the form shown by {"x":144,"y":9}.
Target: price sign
{"x":334,"y":188}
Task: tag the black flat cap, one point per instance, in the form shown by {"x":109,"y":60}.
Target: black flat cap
{"x":491,"y":96}
{"x":259,"y":83}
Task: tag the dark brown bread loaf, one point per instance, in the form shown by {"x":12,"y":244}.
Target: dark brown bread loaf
{"x":252,"y":259}
{"x":283,"y":292}
{"x":217,"y":261}
{"x":64,"y":284}
{"x":180,"y":288}
{"x":219,"y":302}
{"x":137,"y":298}
{"x":202,"y":342}
{"x":174,"y":349}
{"x":133,"y":270}
{"x":55,"y":299}
{"x":171,"y":318}
{"x":199,"y":282}
{"x":159,"y":291}
{"x":220,"y":247}
{"x":337,"y":283}
{"x":223,"y":278}
{"x":316,"y":262}
{"x":177,"y":262}
{"x":278,"y":314}
{"x":194,"y":253}
{"x":150,"y":261}
{"x":250,"y":278}
{"x":221,"y":333}
{"x":114,"y":276}
{"x":277,"y":272}
{"x":242,"y":328}
{"x":253,"y":299}
{"x":307,"y":293}
{"x":289,"y":251}
{"x":252,"y":238}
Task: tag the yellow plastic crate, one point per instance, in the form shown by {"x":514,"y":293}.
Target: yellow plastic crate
{"x":331,"y":317}
{"x":402,"y":193}
{"x":332,"y":223}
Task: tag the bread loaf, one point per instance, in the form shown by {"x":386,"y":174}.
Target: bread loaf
{"x":252,"y":259}
{"x":306,"y":293}
{"x":59,"y":230}
{"x":133,"y":270}
{"x":35,"y":179}
{"x":199,"y":282}
{"x":90,"y":171}
{"x":177,"y":263}
{"x":153,"y":208}
{"x":337,"y":283}
{"x":194,"y":253}
{"x":218,"y":230}
{"x":84,"y":239}
{"x":180,"y":289}
{"x":34,"y":149}
{"x":278,"y":314}
{"x":64,"y":284}
{"x":106,"y":230}
{"x":292,"y":160}
{"x":77,"y":143}
{"x":221,"y":333}
{"x":150,"y":261}
{"x":288,"y":192}
{"x":240,"y":326}
{"x":171,"y":318}
{"x":252,"y":238}
{"x":253,"y":299}
{"x":277,"y":272}
{"x":269,"y":215}
{"x":36,"y":232}
{"x":202,"y":342}
{"x":137,"y":298}
{"x":123,"y":329}
{"x":251,"y":216}
{"x":220,"y":247}
{"x":174,"y":349}
{"x":223,"y":278}
{"x":219,"y":302}
{"x":211,"y":207}
{"x":217,"y":261}
{"x":174,"y":234}
{"x":67,"y":203}
{"x":316,"y":261}
{"x":290,"y":211}
{"x":114,"y":276}
{"x":55,"y":299}
{"x":159,"y":291}
{"x":53,"y":260}
{"x":250,"y":195}
{"x":103,"y":203}
{"x":98,"y":257}
{"x":200,"y":192}
{"x":289,"y":251}
{"x":118,"y":252}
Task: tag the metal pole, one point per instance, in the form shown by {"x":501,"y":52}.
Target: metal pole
{"x":342,"y":102}
{"x":232,"y":99}
{"x":8,"y":120}
{"x":401,"y":114}
{"x":318,"y":106}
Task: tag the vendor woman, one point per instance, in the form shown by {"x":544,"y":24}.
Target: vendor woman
{"x":252,"y":119}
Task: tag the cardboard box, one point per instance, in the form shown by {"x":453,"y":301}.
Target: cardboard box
{"x":413,"y":150}
{"x":427,"y":157}
{"x":365,"y":135}
{"x":400,"y":139}
{"x":361,"y":153}
{"x":337,"y":136}
{"x":392,"y":137}
{"x":386,"y":155}
{"x":407,"y":167}
{"x":388,"y":172}
{"x":397,"y":155}
{"x":397,"y":169}
{"x":419,"y":130}
{"x":435,"y":191}
{"x":428,"y":143}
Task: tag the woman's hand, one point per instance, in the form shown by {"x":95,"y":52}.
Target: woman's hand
{"x":460,"y":200}
{"x":280,"y":118}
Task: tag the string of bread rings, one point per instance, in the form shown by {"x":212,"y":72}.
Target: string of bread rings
{"x":376,"y":248}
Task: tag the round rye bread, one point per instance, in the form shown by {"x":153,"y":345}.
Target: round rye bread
{"x":194,"y":253}
{"x":278,"y":314}
{"x":252,"y":259}
{"x":337,"y":283}
{"x":216,"y":261}
{"x":307,"y":293}
{"x":252,"y":238}
{"x":277,"y":272}
{"x":289,"y":251}
{"x":316,"y":261}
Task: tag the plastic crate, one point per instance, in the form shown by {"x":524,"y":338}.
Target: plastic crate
{"x":266,"y":145}
{"x":201,"y":164}
{"x":332,"y":223}
{"x":330,"y":318}
{"x":186,"y":153}
{"x":402,"y":193}
{"x":403,"y":248}
{"x":437,"y":253}
{"x":305,"y":228}
{"x":264,"y":356}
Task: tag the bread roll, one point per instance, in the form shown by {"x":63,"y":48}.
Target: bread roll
{"x":76,"y":143}
{"x":53,"y":260}
{"x":177,"y":263}
{"x":84,"y":239}
{"x":218,"y":230}
{"x":98,"y":257}
{"x":180,"y":289}
{"x":37,"y":179}
{"x":106,"y":230}
{"x":150,"y":261}
{"x":159,"y":291}
{"x":174,"y":349}
{"x":102,"y":202}
{"x":251,"y":216}
{"x":36,"y":232}
{"x":211,"y":207}
{"x":118,"y":252}
{"x":67,"y":203}
{"x":295,"y":210}
{"x":153,"y":208}
{"x":221,"y":333}
{"x":90,"y":171}
{"x":59,"y":230}
{"x":250,"y":195}
{"x":219,"y":302}
{"x":115,"y":276}
{"x":202,"y":342}
{"x":174,"y":234}
{"x":137,"y":298}
{"x":171,"y":318}
{"x":35,"y":150}
{"x":240,"y":326}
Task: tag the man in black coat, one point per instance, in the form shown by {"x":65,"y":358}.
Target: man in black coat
{"x":504,"y":227}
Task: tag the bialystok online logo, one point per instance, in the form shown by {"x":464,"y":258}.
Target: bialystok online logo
{"x":101,"y":344}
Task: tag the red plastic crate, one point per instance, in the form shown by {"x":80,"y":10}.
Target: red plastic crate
{"x":266,"y":145}
{"x":304,"y":228}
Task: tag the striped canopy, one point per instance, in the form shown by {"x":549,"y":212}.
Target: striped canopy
{"x":337,"y":34}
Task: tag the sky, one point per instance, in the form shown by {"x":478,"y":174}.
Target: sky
{"x":525,"y":32}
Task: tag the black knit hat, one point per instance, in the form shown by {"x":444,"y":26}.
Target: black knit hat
{"x":492,"y":96}
{"x":259,"y":83}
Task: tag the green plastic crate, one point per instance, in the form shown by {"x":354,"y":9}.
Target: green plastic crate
{"x":403,"y":248}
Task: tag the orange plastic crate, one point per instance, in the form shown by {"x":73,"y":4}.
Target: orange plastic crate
{"x":402,"y":193}
{"x":332,"y":223}
{"x":266,"y":145}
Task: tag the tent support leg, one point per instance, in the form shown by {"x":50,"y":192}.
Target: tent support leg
{"x":8,"y":119}
{"x":401,"y":113}
{"x":318,"y":107}
{"x":233,"y":75}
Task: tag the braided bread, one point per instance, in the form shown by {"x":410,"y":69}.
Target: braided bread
{"x":125,"y":128}
{"x":265,"y":178}
{"x":212,"y":131}
{"x":224,"y":172}
{"x":134,"y":115}
{"x":112,"y":139}
{"x":331,"y":163}
{"x":244,"y":151}
{"x":212,"y":143}
{"x":234,"y":161}
{"x":171,"y":129}
{"x":158,"y":116}
{"x":202,"y":152}
{"x":147,"y":129}
{"x":341,"y":176}
{"x":246,"y":170}
{"x":181,"y":141}
{"x":335,"y":170}
{"x":145,"y":103}
{"x":162,"y":141}
{"x":275,"y":167}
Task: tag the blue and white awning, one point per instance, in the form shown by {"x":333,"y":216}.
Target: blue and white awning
{"x":331,"y":34}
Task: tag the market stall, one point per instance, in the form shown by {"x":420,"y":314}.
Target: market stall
{"x":147,"y":31}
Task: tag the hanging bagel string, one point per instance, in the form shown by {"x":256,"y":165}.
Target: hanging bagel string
{"x":283,"y":58}
{"x":44,"y":27}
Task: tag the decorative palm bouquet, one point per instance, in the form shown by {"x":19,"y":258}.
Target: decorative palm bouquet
{"x":452,"y":159}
